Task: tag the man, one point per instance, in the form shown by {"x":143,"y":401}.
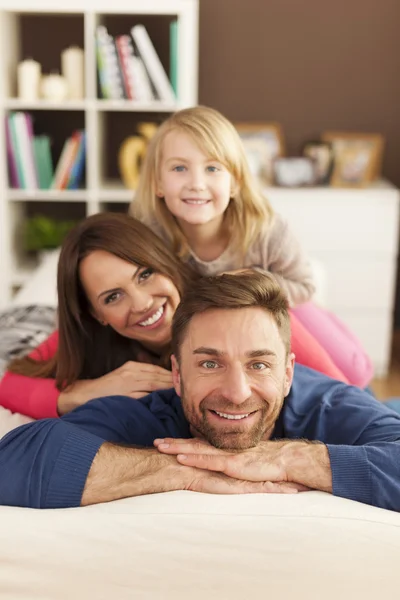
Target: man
{"x":242,"y":420}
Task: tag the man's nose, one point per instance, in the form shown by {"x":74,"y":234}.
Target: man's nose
{"x":236,"y":386}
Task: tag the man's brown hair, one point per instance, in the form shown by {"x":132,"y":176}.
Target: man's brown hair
{"x":242,"y":290}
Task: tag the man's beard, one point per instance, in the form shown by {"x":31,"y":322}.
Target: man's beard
{"x":237,"y":438}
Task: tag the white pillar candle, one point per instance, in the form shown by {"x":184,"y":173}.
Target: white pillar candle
{"x":72,"y":68}
{"x":28,"y":76}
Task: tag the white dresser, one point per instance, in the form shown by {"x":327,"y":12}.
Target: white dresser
{"x":353,"y":233}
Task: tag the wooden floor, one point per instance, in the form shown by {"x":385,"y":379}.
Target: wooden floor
{"x":390,"y":385}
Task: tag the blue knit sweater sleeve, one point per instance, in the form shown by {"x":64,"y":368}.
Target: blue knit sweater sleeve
{"x":362,"y":436}
{"x":45,"y":464}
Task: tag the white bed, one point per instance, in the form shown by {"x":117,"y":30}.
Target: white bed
{"x":184,"y":545}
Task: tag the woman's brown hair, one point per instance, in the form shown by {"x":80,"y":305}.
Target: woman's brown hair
{"x":87,"y":349}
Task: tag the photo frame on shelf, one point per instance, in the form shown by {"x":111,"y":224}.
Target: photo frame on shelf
{"x":321,"y":152}
{"x":296,"y":171}
{"x":357,"y":157}
{"x":263,"y":143}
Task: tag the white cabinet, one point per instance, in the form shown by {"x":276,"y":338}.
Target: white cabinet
{"x":354,"y":234}
{"x":91,"y":113}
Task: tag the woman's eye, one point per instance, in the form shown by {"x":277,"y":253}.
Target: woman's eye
{"x":146,"y":273}
{"x":179,"y":168}
{"x":209,"y":364}
{"x":112,"y":298}
{"x":212,"y":169}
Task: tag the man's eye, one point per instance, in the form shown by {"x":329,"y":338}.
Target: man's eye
{"x":259,"y":366}
{"x":209,"y":364}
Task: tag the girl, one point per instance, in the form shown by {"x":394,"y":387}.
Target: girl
{"x":118,"y":288}
{"x":196,"y":191}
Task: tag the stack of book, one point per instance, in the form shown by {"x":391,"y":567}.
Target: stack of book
{"x":130,"y":68}
{"x":29,"y":157}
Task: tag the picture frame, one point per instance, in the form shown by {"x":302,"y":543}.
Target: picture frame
{"x":263,"y":143}
{"x":321,"y":152}
{"x":296,"y":171}
{"x":357,"y":157}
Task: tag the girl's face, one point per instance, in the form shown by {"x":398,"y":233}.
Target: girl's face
{"x":196,"y":189}
{"x":135,"y":301}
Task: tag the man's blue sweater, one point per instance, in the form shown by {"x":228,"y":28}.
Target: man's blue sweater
{"x":45,"y":464}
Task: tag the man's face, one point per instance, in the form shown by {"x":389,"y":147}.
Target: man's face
{"x":233,"y":376}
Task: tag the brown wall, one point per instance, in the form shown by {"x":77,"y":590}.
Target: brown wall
{"x":311,"y":65}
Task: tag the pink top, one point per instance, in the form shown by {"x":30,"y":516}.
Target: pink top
{"x":32,"y":396}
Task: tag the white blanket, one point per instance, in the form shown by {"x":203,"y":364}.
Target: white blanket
{"x":188,"y":546}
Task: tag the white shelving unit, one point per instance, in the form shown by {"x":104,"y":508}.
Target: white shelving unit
{"x":98,"y":191}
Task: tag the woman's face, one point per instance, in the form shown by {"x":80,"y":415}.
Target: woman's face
{"x":135,"y":301}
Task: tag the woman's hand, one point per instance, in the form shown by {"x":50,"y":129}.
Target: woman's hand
{"x":132,"y":379}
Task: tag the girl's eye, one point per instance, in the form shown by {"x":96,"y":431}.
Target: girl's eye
{"x":209,"y":364}
{"x":146,"y":273}
{"x":113,"y":297}
{"x":212,"y":169}
{"x":179,"y":168}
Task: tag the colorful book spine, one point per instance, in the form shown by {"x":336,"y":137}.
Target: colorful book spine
{"x":47,"y":161}
{"x":77,"y":168}
{"x":125,"y":52}
{"x":111,"y":73}
{"x":14,"y":178}
{"x":24,"y":134}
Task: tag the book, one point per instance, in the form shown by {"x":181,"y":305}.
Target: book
{"x":16,"y":152}
{"x":77,"y":168}
{"x":24,"y":134}
{"x":14,"y":178}
{"x":152,"y":62}
{"x":65,"y":162}
{"x":110,"y":76}
{"x":125,"y":53}
{"x":47,"y":160}
{"x":43,"y":162}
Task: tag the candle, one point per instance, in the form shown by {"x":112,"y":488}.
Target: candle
{"x":72,"y":68}
{"x":28,"y":76}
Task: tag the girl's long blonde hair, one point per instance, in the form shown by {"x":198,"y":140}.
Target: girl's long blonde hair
{"x":248,"y":211}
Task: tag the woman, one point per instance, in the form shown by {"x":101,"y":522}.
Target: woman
{"x":118,"y":288}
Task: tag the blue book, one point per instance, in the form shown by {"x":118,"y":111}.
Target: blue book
{"x":78,"y":164}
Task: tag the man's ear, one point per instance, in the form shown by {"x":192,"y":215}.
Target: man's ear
{"x":176,"y":376}
{"x":289,"y":372}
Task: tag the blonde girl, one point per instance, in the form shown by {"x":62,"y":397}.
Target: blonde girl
{"x":197,"y":192}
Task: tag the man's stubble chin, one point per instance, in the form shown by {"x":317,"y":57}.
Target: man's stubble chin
{"x":231,"y":440}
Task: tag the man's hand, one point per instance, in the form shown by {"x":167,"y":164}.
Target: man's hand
{"x":302,"y":463}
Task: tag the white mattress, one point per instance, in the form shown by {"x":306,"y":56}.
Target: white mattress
{"x":183,"y":545}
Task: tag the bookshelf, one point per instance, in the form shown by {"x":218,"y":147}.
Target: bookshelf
{"x":40,"y":30}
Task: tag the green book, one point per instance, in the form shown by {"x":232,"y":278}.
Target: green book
{"x":38,"y":162}
{"x":173,"y":54}
{"x":47,"y":161}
